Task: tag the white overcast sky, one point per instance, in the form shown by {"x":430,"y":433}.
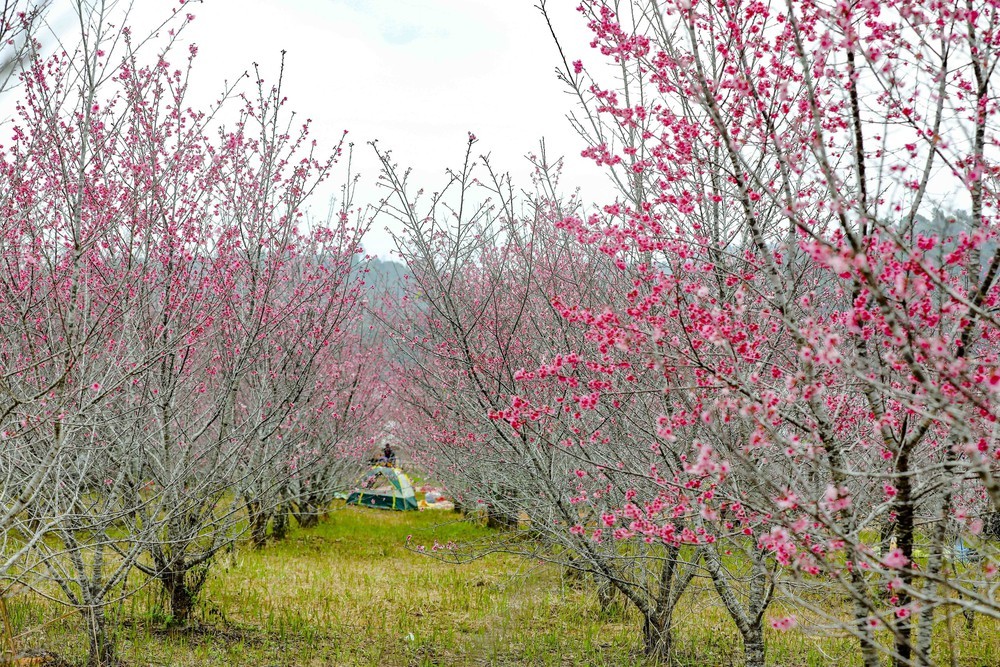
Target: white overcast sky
{"x":417,"y":75}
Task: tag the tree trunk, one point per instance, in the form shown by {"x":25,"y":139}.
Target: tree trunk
{"x":279,"y":528}
{"x":307,"y":515}
{"x":935,"y":563}
{"x":181,"y":597}
{"x":753,"y":645}
{"x":905,"y":526}
{"x":869,"y":649}
{"x":606,"y":594}
{"x":657,"y":638}
{"x":499,"y":515}
{"x":498,"y":518}
{"x":258,"y":524}
{"x":749,"y":622}
{"x":100,"y":645}
{"x":572,"y":574}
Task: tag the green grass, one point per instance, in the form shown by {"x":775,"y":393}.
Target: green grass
{"x":349,"y":592}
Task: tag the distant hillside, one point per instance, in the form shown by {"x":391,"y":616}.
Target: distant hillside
{"x":386,"y":275}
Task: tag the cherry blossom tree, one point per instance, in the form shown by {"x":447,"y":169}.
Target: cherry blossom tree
{"x":235,"y":403}
{"x":76,"y":280}
{"x":816,"y":335}
{"x":481,"y":339}
{"x":168,"y":320}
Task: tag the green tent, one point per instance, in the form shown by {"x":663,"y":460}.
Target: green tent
{"x":384,"y":488}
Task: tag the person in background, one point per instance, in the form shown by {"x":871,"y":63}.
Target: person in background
{"x":389,"y":456}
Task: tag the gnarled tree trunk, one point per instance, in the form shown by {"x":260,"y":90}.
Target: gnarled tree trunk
{"x":181,"y":596}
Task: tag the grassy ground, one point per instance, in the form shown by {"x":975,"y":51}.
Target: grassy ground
{"x":348,"y":592}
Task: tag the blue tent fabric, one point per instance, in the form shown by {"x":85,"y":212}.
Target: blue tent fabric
{"x":964,"y":553}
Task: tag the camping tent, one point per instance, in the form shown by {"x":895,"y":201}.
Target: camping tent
{"x":384,"y":488}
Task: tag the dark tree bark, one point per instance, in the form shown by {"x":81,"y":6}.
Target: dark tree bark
{"x":181,"y":593}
